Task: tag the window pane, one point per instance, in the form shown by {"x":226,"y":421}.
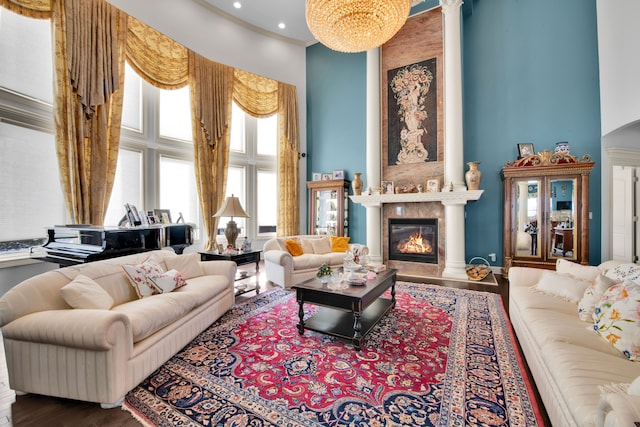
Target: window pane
{"x":267,"y":209}
{"x":175,"y":114}
{"x":29,"y":184}
{"x":268,"y":136}
{"x":178,"y":189}
{"x":236,"y":179}
{"x":127,"y":187}
{"x":132,"y":102}
{"x":27,"y":42}
{"x":237,"y":140}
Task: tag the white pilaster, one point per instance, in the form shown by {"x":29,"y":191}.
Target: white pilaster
{"x":453,"y":140}
{"x":374,"y":214}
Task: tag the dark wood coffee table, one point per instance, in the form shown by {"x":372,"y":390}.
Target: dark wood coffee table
{"x":348,"y":313}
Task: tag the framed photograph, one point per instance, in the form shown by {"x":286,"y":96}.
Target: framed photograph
{"x":387,"y":187}
{"x":327,"y":177}
{"x":433,"y":185}
{"x":525,"y":150}
{"x":316,"y":176}
{"x":338,"y":174}
{"x":163,"y":215}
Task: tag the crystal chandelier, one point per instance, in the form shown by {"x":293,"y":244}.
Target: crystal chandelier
{"x":356,"y":25}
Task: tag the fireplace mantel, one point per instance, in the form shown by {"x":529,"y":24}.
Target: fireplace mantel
{"x":445,"y":197}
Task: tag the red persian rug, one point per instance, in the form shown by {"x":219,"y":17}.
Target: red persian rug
{"x":441,"y":357}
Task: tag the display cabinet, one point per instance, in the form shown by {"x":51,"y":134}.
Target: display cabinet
{"x":546,"y":210}
{"x":329,"y":207}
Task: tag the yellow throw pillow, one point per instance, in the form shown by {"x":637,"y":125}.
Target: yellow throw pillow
{"x":339,"y":244}
{"x":293,"y":247}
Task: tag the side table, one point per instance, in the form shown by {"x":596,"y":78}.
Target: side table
{"x":239,"y":259}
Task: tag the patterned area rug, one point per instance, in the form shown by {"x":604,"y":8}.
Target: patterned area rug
{"x":442,"y":357}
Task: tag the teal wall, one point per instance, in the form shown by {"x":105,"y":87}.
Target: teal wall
{"x":530,"y":73}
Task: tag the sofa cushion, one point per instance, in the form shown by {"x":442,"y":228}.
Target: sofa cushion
{"x":567,"y":287}
{"x":322,"y":245}
{"x":83,"y":292}
{"x":307,"y":246}
{"x":188,"y":265}
{"x":583,"y":272}
{"x":339,"y":244}
{"x":293,"y":246}
{"x":139,"y":276}
{"x":169,"y":281}
{"x":626,"y":271}
{"x":617,"y":318}
{"x":592,"y":296}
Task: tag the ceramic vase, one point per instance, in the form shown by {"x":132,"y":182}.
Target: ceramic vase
{"x":473,"y":176}
{"x":356,"y":184}
{"x":562,"y":147}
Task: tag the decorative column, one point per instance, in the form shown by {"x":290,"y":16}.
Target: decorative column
{"x":374,"y":214}
{"x":453,"y":140}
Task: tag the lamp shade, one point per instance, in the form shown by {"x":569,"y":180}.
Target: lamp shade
{"x":231,"y":207}
{"x":356,"y":25}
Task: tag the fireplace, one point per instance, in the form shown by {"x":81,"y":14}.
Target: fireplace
{"x":413,"y":239}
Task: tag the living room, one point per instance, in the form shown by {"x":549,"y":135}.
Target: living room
{"x":537,"y":65}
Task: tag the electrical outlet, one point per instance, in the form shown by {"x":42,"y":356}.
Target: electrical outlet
{"x":492,"y":257}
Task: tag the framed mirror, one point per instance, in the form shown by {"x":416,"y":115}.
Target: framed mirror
{"x":528,"y":218}
{"x":562,"y":216}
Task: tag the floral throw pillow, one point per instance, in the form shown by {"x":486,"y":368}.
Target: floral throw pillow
{"x":168,"y":281}
{"x":624,"y":272}
{"x":139,"y":276}
{"x":592,"y":296}
{"x":617,"y":318}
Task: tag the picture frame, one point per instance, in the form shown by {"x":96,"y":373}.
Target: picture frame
{"x":525,"y":150}
{"x":433,"y":185}
{"x":338,"y":174}
{"x":327,"y":177}
{"x":163,"y":215}
{"x":316,"y":176}
{"x":386,"y":187}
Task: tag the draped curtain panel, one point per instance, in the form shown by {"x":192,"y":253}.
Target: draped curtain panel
{"x":288,"y":166}
{"x":40,"y":9}
{"x":211,"y":86}
{"x":88,"y":38}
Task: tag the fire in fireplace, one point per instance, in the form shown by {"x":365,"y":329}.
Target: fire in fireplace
{"x":413,"y":239}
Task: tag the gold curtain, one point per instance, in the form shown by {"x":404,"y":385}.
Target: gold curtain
{"x":40,"y":9}
{"x":288,"y":167}
{"x":88,"y":38}
{"x":256,"y":95}
{"x":211,"y":86}
{"x":158,"y":59}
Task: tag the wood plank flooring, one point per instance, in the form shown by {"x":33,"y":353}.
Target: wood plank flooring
{"x":36,"y":410}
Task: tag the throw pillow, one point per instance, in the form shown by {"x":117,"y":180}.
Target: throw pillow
{"x":592,"y":296}
{"x":339,"y":244}
{"x":307,"y":246}
{"x":139,"y":275}
{"x":188,"y":265}
{"x":559,"y":285}
{"x":573,"y":269}
{"x":293,"y":247}
{"x":626,"y":271}
{"x":617,"y":318}
{"x":83,"y":292}
{"x":322,"y":245}
{"x":169,"y":281}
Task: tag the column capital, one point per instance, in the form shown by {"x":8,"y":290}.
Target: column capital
{"x":450,"y":5}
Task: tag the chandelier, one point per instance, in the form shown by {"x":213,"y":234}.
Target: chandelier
{"x":356,"y":25}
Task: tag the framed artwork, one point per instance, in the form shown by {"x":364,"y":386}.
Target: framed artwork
{"x":387,"y":187}
{"x":163,"y":215}
{"x":338,"y":174}
{"x":327,"y":177}
{"x":316,"y":176}
{"x":433,"y":185}
{"x":525,"y":150}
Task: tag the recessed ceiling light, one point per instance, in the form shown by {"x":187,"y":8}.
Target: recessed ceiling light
{"x":281,"y":25}
{"x":237,"y":5}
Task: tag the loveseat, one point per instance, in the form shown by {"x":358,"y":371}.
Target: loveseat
{"x":98,"y":353}
{"x":286,"y":269}
{"x":584,"y":377}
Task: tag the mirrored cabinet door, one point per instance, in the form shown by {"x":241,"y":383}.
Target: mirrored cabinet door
{"x":329,"y":207}
{"x":562,"y":218}
{"x":528,"y":218}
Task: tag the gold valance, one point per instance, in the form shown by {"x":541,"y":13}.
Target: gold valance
{"x":40,"y":9}
{"x":157,"y":58}
{"x":256,"y":95}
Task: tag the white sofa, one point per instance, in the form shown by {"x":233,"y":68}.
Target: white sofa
{"x":580,"y":376}
{"x":286,"y":270}
{"x":98,"y":355}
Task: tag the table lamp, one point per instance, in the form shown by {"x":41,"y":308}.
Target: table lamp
{"x":231,"y":207}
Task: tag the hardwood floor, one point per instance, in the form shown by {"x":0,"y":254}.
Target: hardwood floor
{"x":36,"y":410}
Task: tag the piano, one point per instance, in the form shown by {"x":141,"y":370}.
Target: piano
{"x":78,"y":244}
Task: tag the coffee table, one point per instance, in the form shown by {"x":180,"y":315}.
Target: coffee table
{"x":349,"y":313}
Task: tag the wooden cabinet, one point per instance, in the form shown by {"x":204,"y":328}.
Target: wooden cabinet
{"x":546,"y":210}
{"x":329,"y":207}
